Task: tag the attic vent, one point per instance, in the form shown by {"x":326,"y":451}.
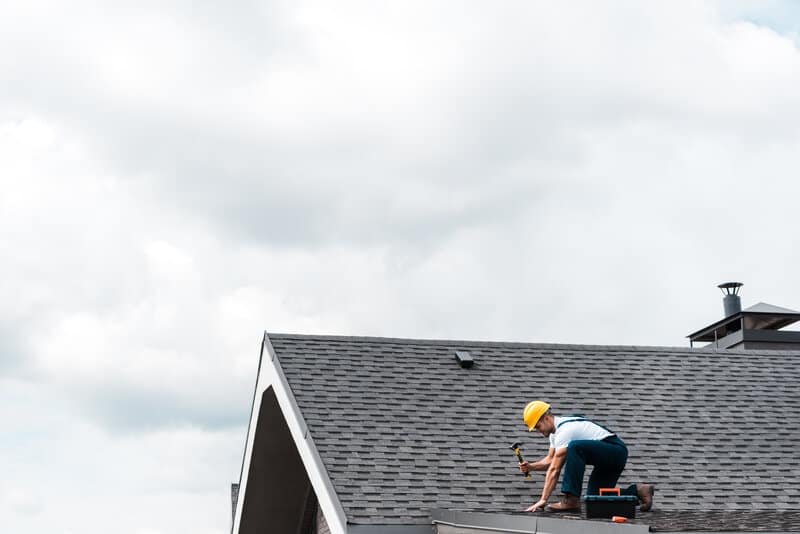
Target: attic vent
{"x":464,"y":359}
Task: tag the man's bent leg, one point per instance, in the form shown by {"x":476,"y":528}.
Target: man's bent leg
{"x":608,"y":457}
{"x":602,"y":478}
{"x":577,"y":453}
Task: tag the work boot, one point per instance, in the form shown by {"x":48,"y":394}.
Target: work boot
{"x":645,"y":493}
{"x":570,"y":503}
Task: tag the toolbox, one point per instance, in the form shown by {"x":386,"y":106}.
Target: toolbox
{"x":610,"y":503}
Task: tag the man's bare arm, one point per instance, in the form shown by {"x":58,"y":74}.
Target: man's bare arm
{"x":553,"y":472}
{"x":541,"y":465}
{"x":551,"y":478}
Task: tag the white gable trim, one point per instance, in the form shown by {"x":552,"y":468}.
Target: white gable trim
{"x":271,"y":374}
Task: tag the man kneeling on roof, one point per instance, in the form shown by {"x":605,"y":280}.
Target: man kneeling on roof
{"x":574,"y":442}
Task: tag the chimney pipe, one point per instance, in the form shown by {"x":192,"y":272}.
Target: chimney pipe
{"x":731,"y":301}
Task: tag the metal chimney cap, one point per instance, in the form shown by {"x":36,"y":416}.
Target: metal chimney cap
{"x":730,"y":288}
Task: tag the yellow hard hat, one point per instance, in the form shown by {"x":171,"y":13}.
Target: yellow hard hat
{"x":533,"y":412}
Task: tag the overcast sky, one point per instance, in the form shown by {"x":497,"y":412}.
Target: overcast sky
{"x":177,"y":177}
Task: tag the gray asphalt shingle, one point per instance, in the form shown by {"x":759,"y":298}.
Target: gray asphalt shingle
{"x":402,"y":429}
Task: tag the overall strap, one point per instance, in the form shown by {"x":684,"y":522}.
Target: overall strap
{"x":571,"y":421}
{"x":583,"y":419}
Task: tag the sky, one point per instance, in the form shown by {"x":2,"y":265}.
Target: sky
{"x":177,"y":177}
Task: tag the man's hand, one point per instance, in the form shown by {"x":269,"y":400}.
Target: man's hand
{"x":525,"y":467}
{"x":541,"y":503}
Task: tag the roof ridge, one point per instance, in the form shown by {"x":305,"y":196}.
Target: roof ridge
{"x":514,"y":344}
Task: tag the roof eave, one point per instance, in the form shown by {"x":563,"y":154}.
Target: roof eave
{"x":390,"y":529}
{"x":697,"y":336}
{"x":531,"y":523}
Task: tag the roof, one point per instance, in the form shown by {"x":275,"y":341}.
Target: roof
{"x":659,"y":520}
{"x":481,"y":523}
{"x":763,"y":307}
{"x":402,"y":429}
{"x":761,"y":316}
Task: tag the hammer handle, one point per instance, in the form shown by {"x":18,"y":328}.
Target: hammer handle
{"x":519,"y":457}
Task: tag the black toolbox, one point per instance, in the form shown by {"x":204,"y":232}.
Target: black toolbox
{"x":610,"y":503}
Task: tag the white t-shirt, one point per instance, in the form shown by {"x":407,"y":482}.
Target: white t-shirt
{"x":575,"y":428}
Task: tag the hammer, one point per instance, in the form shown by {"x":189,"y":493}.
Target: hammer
{"x":515,"y":448}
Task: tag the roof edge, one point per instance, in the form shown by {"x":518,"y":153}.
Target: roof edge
{"x":247,"y":443}
{"x":531,"y":523}
{"x":390,"y":529}
{"x":321,"y":481}
{"x":271,"y":375}
{"x":512,"y":344}
{"x":744,"y":313}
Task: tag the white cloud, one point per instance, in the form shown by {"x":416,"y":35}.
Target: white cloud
{"x":167,"y":260}
{"x":177,"y":177}
{"x":20,"y":501}
{"x":64,"y":473}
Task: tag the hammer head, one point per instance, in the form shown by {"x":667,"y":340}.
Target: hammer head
{"x":515,"y":446}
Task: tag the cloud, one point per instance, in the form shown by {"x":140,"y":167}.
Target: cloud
{"x":412,"y":136}
{"x":177,"y":177}
{"x":19,"y":501}
{"x":503,"y":165}
{"x":63,"y":471}
{"x":342,"y":142}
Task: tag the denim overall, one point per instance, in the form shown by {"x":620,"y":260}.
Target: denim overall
{"x":608,"y":456}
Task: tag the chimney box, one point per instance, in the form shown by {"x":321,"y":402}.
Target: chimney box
{"x":756,"y":327}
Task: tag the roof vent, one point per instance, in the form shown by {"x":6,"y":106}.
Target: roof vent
{"x":464,"y":359}
{"x":731,"y":300}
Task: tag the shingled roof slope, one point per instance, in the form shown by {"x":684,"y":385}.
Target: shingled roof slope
{"x":401,"y":428}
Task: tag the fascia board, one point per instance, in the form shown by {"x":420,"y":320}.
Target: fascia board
{"x":390,"y":529}
{"x":248,"y":447}
{"x":533,"y":523}
{"x":271,"y":374}
{"x":546,"y":525}
{"x":500,"y":522}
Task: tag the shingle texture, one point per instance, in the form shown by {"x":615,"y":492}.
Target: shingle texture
{"x":660,"y":520}
{"x":402,"y":429}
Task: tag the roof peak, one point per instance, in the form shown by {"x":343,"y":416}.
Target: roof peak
{"x":763,"y":307}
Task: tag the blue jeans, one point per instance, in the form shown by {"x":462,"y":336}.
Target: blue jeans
{"x":608,"y":458}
